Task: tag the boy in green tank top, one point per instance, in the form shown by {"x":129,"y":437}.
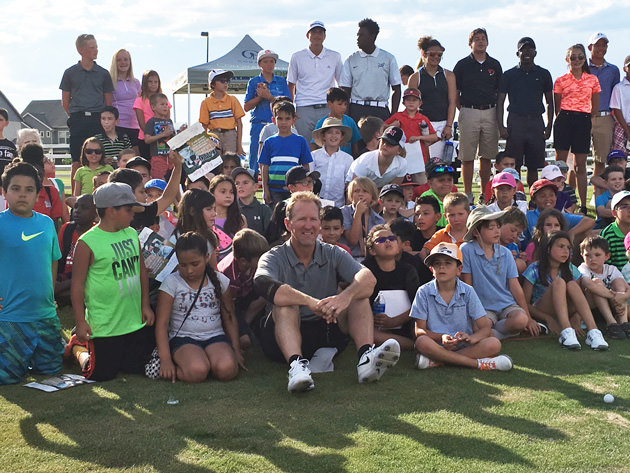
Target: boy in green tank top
{"x":110,"y":295}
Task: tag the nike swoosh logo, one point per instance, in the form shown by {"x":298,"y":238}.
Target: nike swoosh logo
{"x":30,"y":237}
{"x":366,"y":362}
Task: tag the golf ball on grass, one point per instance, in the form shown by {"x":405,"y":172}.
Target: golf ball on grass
{"x":609,"y":398}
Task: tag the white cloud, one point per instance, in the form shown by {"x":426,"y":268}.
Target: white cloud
{"x":164,"y":35}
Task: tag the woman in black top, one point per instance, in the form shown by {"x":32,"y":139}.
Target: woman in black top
{"x":438,"y":89}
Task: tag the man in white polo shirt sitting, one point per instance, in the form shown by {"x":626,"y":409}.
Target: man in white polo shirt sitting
{"x":368,"y":75}
{"x":312,"y":71}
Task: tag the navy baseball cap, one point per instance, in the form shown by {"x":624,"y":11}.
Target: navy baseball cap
{"x":616,"y":154}
{"x":389,"y":188}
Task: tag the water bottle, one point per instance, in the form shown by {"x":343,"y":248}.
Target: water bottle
{"x":379,"y":304}
{"x":424,"y":128}
{"x":447,"y":152}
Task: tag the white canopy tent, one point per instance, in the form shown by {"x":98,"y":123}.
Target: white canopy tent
{"x":241,"y":60}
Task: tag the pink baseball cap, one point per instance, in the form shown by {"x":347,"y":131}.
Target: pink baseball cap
{"x":503,"y":178}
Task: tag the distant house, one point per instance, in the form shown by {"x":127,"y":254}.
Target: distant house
{"x":15,"y":120}
{"x":49,"y":117}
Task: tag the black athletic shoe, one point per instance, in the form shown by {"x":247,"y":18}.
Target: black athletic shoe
{"x":616,"y":332}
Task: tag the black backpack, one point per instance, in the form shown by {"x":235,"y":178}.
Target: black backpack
{"x":66,"y":239}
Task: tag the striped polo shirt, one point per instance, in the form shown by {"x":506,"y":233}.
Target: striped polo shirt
{"x":221,"y":114}
{"x":113,"y":147}
{"x":615,"y":237}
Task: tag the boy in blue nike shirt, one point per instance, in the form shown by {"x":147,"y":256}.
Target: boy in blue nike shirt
{"x":30,"y":336}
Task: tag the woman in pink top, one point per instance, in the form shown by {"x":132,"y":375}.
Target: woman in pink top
{"x":576,"y":95}
{"x":126,"y":91}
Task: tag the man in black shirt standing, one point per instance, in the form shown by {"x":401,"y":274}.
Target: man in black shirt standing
{"x":525,"y":85}
{"x":477,"y":77}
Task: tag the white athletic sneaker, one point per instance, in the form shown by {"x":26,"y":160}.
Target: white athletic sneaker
{"x":300,"y":377}
{"x":595,"y":340}
{"x":501,"y":363}
{"x":569,"y":340}
{"x":375,"y":361}
{"x":423,"y":362}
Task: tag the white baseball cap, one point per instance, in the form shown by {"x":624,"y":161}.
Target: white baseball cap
{"x":447,"y":249}
{"x":265,"y":53}
{"x":618,"y":197}
{"x":316,"y":24}
{"x":214,"y":73}
{"x":550,"y":172}
{"x":595,"y":37}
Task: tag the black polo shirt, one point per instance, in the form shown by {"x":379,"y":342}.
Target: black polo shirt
{"x":525,"y":89}
{"x":478,"y":83}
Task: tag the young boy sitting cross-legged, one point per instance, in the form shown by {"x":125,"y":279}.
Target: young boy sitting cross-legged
{"x":451,"y":326}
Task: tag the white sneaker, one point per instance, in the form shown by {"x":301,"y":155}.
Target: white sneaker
{"x":501,"y":363}
{"x":300,"y":377}
{"x":595,"y":340}
{"x":424,"y":362}
{"x":375,"y":361}
{"x":569,"y":340}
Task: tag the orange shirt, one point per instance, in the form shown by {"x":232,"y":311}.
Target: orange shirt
{"x":442,"y":236}
{"x":220,"y":113}
{"x":576,"y":94}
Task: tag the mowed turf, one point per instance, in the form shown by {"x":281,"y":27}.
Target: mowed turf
{"x":547,"y":414}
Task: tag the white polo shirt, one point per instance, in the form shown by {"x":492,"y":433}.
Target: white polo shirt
{"x":366,"y":165}
{"x":620,"y":98}
{"x":313,"y":75}
{"x":371,"y":76}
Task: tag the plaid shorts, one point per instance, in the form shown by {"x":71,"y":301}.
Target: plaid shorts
{"x":37,"y":346}
{"x":619,"y":138}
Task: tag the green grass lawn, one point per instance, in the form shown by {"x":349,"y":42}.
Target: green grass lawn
{"x":547,"y":414}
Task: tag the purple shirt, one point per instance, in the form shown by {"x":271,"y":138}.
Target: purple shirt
{"x":563,"y":201}
{"x":125,"y":93}
{"x":608,"y":77}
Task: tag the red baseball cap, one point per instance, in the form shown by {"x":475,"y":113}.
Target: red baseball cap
{"x":541,"y":184}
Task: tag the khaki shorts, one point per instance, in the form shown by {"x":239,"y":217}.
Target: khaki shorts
{"x":228,"y":140}
{"x":478,"y":134}
{"x":503,"y":314}
{"x":602,"y":133}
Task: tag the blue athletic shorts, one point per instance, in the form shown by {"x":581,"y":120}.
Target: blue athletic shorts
{"x":37,"y":346}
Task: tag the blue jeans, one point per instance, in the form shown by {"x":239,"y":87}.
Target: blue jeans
{"x":254,"y":135}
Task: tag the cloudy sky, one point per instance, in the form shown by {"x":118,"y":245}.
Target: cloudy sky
{"x":38,"y":39}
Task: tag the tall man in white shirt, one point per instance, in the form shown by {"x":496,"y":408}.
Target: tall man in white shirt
{"x":312,"y":71}
{"x":368,"y":75}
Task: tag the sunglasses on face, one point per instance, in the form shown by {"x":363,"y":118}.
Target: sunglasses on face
{"x":382,"y":240}
{"x":443,"y":169}
{"x":435,"y":54}
{"x":223,"y":79}
{"x":93,"y":151}
{"x":579,"y":57}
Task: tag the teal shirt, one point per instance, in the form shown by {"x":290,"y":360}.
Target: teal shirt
{"x":28,"y":247}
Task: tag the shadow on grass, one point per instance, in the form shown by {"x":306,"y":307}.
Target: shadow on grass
{"x":253,"y":424}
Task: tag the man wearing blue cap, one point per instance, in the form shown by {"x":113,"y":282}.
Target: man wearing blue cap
{"x":312,"y":71}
